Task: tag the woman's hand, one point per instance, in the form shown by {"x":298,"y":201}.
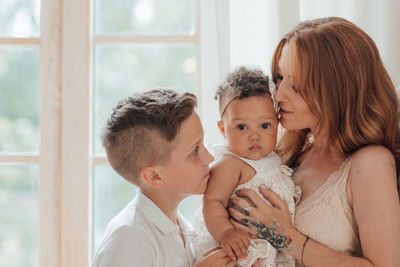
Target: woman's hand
{"x":264,"y":221}
{"x":215,"y":257}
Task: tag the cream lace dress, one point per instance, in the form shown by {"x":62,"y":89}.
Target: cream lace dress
{"x":326,"y":216}
{"x":272,"y":174}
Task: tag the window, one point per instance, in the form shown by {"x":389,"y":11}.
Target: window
{"x":19,"y":128}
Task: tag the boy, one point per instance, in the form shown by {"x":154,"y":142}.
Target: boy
{"x":155,"y":141}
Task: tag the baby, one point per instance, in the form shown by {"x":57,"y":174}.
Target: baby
{"x":249,"y":124}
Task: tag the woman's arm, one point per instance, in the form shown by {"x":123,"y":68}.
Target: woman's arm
{"x":375,"y":203}
{"x":372,"y":184}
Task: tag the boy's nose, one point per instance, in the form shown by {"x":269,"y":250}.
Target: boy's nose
{"x":208,"y":158}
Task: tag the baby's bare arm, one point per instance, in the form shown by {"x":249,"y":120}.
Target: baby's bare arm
{"x":225,"y":176}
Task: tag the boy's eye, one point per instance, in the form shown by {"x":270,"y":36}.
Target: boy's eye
{"x":241,"y":127}
{"x":196,"y":151}
{"x":265,"y":125}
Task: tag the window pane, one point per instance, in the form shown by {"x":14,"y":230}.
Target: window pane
{"x":146,"y":17}
{"x":111,"y":193}
{"x":20,"y":18}
{"x":121,"y":70}
{"x":19,"y":215}
{"x":19,"y":104}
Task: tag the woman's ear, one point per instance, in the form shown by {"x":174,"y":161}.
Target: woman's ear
{"x":221,"y":128}
{"x":150,"y":176}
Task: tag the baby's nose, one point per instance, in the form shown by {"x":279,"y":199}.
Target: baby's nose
{"x":254,"y":135}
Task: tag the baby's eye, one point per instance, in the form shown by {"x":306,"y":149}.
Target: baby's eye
{"x":265,"y":125}
{"x":241,"y":127}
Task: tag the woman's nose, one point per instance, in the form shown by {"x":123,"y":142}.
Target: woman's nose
{"x":279,"y":94}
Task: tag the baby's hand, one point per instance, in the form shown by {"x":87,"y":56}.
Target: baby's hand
{"x":235,"y":243}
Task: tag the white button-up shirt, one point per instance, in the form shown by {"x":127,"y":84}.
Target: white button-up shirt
{"x":142,"y":235}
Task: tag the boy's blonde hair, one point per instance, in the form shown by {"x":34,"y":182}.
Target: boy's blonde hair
{"x":141,"y":130}
{"x":241,"y":83}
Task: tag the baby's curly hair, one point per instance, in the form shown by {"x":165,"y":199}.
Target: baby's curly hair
{"x":242,"y":83}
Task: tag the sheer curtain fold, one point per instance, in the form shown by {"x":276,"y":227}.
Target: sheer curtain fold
{"x":215,"y":58}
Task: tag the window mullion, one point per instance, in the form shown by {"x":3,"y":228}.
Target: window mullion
{"x":20,"y":41}
{"x":76,"y":132}
{"x":50,"y":133}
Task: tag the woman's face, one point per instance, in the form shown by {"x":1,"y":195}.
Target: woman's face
{"x":294,"y":112}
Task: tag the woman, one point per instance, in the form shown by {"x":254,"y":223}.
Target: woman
{"x":341,"y":117}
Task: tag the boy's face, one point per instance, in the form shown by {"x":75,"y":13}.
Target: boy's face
{"x":250,"y":125}
{"x":187,"y":171}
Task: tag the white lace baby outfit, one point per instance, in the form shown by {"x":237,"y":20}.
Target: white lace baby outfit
{"x":273,"y":175}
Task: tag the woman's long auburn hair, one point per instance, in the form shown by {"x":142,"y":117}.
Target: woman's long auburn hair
{"x":337,"y":70}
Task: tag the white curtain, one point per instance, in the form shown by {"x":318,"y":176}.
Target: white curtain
{"x":245,"y":32}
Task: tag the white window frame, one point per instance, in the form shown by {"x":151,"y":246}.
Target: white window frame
{"x":65,"y":157}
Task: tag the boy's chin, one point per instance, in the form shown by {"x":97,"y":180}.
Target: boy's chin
{"x":201,"y":190}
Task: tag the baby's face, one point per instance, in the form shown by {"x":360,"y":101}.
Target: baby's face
{"x":250,"y":125}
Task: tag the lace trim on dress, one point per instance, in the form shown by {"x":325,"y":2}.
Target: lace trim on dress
{"x":332,"y":178}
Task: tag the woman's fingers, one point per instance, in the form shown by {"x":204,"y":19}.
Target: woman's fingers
{"x":208,"y":252}
{"x":248,"y":228}
{"x":215,"y":257}
{"x":240,"y":226}
{"x":275,"y":200}
{"x":241,"y":202}
{"x":237,"y":215}
{"x":252,"y":196}
{"x":229,"y":262}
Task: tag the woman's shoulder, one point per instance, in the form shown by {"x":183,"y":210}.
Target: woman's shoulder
{"x":372,"y":167}
{"x":371,"y":156}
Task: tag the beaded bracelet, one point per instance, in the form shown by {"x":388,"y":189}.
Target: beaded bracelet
{"x":302,"y":251}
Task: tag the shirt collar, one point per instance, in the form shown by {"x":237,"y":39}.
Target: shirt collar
{"x":158,"y":217}
{"x":187,"y":229}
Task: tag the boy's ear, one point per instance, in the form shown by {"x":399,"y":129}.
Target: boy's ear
{"x":221,"y":128}
{"x":150,"y":176}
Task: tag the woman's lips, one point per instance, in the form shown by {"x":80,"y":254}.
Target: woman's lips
{"x":283,"y":112}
